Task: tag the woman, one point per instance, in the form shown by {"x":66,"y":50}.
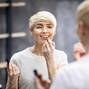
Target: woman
{"x":42,"y":56}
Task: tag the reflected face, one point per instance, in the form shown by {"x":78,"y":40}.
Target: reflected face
{"x":43,"y":30}
{"x":82,"y":32}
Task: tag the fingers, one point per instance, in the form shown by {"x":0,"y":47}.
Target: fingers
{"x":47,"y":84}
{"x":13,"y":70}
{"x":78,"y":47}
{"x":48,"y":46}
{"x":51,"y":44}
{"x":42,"y":83}
{"x":79,"y":51}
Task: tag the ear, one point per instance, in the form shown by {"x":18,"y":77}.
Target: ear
{"x":81,"y":28}
{"x":31,"y":31}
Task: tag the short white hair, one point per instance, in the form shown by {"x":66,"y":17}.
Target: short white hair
{"x":83,"y":12}
{"x":42,"y":15}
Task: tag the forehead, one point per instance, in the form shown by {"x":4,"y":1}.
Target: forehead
{"x":46,"y":22}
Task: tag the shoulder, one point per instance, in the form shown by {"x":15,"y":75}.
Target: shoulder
{"x":60,"y":53}
{"x":73,"y":72}
{"x":19,"y":55}
{"x":18,"y":58}
{"x":75,"y":69}
{"x":61,"y":57}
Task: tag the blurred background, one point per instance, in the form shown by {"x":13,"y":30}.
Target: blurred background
{"x":14,"y":29}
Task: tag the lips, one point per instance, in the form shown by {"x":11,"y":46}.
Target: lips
{"x":44,"y":37}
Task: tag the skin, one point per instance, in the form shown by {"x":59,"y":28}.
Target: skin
{"x":13,"y":77}
{"x":83,"y":33}
{"x":43,"y":33}
{"x":79,"y":51}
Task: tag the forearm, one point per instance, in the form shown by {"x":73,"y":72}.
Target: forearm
{"x":51,"y":66}
{"x":51,"y":70}
{"x":12,"y":83}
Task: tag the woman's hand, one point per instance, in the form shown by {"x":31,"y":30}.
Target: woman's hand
{"x":13,"y":70}
{"x":42,"y":83}
{"x":48,"y":48}
{"x":13,"y":76}
{"x":13,"y":73}
{"x":48,"y":51}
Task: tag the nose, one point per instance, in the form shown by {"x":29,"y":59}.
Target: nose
{"x":44,"y":30}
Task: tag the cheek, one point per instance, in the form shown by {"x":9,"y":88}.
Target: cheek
{"x":51,"y":33}
{"x":36,"y":36}
{"x":36,"y":33}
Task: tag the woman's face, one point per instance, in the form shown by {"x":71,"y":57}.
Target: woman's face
{"x":43,"y":31}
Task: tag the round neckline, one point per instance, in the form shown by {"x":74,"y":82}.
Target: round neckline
{"x":30,"y":50}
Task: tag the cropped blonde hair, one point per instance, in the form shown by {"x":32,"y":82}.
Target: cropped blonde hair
{"x":83,"y":12}
{"x":40,"y":16}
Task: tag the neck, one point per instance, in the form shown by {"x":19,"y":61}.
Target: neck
{"x":37,"y":49}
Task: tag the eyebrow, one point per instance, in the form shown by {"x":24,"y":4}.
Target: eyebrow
{"x":39,"y":24}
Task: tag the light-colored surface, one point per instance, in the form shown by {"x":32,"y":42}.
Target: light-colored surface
{"x":13,"y":35}
{"x":3,"y":65}
{"x":27,"y":62}
{"x":73,"y":76}
{"x":15,"y":4}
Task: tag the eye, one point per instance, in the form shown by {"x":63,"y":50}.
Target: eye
{"x":49,"y":26}
{"x":38,"y":26}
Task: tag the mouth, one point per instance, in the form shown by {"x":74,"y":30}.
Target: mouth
{"x":44,"y":36}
